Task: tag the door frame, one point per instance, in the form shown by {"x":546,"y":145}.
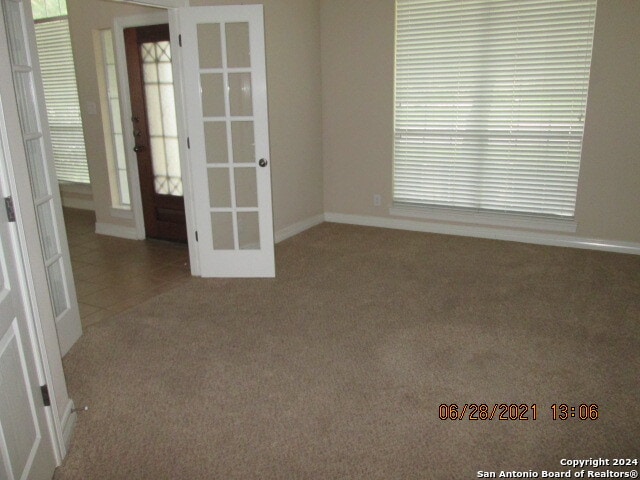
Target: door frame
{"x":119,"y":24}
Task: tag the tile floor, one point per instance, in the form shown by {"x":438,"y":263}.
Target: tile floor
{"x":113,"y":274}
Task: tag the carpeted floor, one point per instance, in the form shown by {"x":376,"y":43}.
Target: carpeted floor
{"x":337,"y":368}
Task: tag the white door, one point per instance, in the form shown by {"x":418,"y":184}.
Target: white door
{"x":223,"y":77}
{"x":26,"y":449}
{"x":44,"y":186}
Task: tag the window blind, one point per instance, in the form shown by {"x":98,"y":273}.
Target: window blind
{"x":490,"y":102}
{"x":61,"y":98}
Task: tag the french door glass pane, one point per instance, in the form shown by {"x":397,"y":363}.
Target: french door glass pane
{"x":238,"y":52}
{"x":212,"y":85}
{"x":240,"y":94}
{"x":47,"y":231}
{"x":243,"y":142}
{"x":210,"y":48}
{"x":161,"y":115}
{"x":246,"y":187}
{"x":57,"y":287}
{"x":220,"y":187}
{"x":249,"y":231}
{"x":222,"y":231}
{"x":26,"y":108}
{"x":37,"y":173}
{"x":215,"y":137}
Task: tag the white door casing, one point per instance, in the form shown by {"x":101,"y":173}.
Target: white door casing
{"x":44,"y":186}
{"x":119,"y":24}
{"x":26,"y":445}
{"x":220,"y":72}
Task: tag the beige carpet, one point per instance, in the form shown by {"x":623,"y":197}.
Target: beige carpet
{"x":336,"y":368}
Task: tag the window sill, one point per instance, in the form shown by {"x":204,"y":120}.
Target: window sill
{"x":79,"y":188}
{"x":502,"y":220}
{"x":121,"y":212}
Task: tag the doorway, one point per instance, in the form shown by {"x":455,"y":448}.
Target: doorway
{"x":154,"y":127}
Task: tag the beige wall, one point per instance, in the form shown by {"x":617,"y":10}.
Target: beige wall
{"x":292,"y":31}
{"x":609,"y":192}
{"x":357,"y":102}
{"x":357,"y":76}
{"x":330,"y":79}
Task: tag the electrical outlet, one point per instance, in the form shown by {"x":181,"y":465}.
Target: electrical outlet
{"x":377,"y":200}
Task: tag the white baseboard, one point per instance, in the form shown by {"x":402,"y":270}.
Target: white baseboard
{"x":68,"y":424}
{"x":79,"y":203}
{"x":117,"y":231}
{"x":282,"y":234}
{"x":551,"y":239}
{"x":297,"y":228}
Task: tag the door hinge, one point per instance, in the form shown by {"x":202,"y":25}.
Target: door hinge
{"x":188,"y":143}
{"x":197,"y":237}
{"x":45,"y":395}
{"x":11,"y":212}
{"x":180,"y":39}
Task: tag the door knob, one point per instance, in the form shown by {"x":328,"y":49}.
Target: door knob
{"x":262,"y":162}
{"x":138,"y":148}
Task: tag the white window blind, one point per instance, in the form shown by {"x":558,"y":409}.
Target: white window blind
{"x":61,"y":98}
{"x":490,"y":103}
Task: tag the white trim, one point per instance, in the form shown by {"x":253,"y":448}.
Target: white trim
{"x":79,"y":188}
{"x":122,"y":212}
{"x":552,"y":239}
{"x":298,"y":227}
{"x":183,"y":133}
{"x":119,"y":231}
{"x":528,"y":222}
{"x":156,"y":3}
{"x":68,"y":423}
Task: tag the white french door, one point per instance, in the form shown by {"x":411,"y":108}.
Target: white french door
{"x":26,"y":448}
{"x":223,"y":72}
{"x":44,"y":186}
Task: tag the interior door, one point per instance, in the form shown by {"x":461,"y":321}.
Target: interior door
{"x":26,"y":450}
{"x":44,"y":186}
{"x":155,"y":132}
{"x":224,"y":87}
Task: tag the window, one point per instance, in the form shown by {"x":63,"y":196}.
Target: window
{"x":490,"y":103}
{"x":112,"y":122}
{"x":60,"y":90}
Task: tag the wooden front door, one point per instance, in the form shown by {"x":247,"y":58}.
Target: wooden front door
{"x":154,"y":128}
